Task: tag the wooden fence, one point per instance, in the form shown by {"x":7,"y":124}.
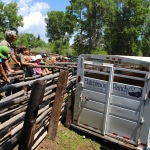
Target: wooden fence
{"x":13,"y":108}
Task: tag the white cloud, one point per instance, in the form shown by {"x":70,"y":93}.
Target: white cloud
{"x":34,"y":23}
{"x":23,"y":8}
{"x":39,"y":6}
{"x":33,"y":18}
{"x":34,"y":14}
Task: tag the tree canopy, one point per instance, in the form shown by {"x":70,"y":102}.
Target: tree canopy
{"x":9,"y":18}
{"x":124,"y":27}
{"x":29,"y":40}
{"x":120,"y":27}
{"x":117,"y":27}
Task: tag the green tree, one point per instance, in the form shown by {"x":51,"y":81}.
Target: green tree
{"x":59,"y":28}
{"x":61,"y":45}
{"x":90,"y":19}
{"x":21,"y":40}
{"x":145,"y":38}
{"x":124,"y":27}
{"x":9,"y":18}
{"x":55,"y":25}
{"x":40,"y":42}
{"x":29,"y":40}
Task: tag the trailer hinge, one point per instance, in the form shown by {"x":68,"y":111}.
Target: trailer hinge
{"x":148,"y":76}
{"x":142,"y":120}
{"x":145,"y":97}
{"x":138,"y":141}
{"x":82,"y":84}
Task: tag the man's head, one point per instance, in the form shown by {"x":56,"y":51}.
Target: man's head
{"x":10,"y":36}
{"x":65,"y":59}
{"x":44,"y":56}
{"x":23,"y":50}
{"x":4,"y":52}
{"x":27,"y":51}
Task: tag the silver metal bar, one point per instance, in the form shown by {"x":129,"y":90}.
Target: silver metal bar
{"x":93,"y":71}
{"x":129,"y":77}
{"x":131,"y":70}
{"x":108,"y":98}
{"x":142,"y":106}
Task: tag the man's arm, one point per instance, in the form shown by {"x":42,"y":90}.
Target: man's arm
{"x":15,"y":60}
{"x":2,"y":72}
{"x":8,"y":67}
{"x":28,"y":64}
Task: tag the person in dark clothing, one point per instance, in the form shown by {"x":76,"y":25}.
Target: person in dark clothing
{"x":25,"y":63}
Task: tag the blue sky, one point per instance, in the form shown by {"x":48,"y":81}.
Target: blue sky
{"x":34,"y":12}
{"x":58,"y":4}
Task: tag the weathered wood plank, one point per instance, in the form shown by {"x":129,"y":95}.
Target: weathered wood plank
{"x":12,"y":120}
{"x":28,"y":131}
{"x":56,"y":111}
{"x":22,"y":92}
{"x":21,"y":84}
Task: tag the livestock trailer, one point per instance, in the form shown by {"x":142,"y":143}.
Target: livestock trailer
{"x":112,"y":99}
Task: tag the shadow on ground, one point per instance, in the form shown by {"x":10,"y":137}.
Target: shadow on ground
{"x":105,"y":145}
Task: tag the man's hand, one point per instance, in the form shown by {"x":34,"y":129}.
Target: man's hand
{"x":34,"y":65}
{"x":48,"y":72}
{"x":43,"y":74}
{"x":19,"y":63}
{"x":7,"y":80}
{"x":11,"y":70}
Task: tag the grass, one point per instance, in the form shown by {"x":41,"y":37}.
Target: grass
{"x":75,"y":140}
{"x":69,"y":140}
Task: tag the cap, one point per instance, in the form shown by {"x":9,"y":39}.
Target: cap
{"x":66,"y":58}
{"x":38,"y":57}
{"x":4,"y":52}
{"x":44,"y":55}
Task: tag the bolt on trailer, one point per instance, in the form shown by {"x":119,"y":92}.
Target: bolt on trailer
{"x":112,"y":99}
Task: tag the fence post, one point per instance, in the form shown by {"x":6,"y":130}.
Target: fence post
{"x":69,"y":115}
{"x":36,"y":97}
{"x":59,"y":97}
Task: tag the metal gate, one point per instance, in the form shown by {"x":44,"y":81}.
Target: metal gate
{"x":108,"y":107}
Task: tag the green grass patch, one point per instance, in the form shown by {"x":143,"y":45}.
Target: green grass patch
{"x":73,"y":141}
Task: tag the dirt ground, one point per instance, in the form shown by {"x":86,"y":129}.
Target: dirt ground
{"x":48,"y":144}
{"x":63,"y":141}
{"x":73,"y":140}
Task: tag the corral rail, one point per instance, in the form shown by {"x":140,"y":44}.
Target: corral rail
{"x":13,"y":107}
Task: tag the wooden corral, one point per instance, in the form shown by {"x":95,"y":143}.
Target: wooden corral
{"x":13,"y":108}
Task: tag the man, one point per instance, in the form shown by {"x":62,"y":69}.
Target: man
{"x":24,"y":53}
{"x":10,"y":37}
{"x":4,"y":53}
